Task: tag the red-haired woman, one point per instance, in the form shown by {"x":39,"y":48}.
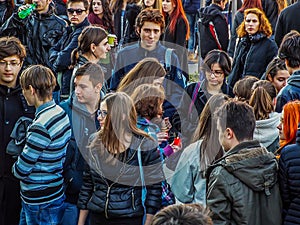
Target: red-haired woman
{"x":177,"y":30}
{"x":290,"y":117}
{"x":255,"y":49}
{"x":238,"y":19}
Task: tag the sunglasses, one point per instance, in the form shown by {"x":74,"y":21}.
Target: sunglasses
{"x":78,"y":11}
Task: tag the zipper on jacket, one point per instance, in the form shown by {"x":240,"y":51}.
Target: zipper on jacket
{"x":106,"y":202}
{"x":132,"y":198}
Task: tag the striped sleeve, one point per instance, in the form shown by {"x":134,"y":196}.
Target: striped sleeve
{"x":37,"y":140}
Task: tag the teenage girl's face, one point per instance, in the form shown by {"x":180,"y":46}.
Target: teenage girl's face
{"x":97,"y":7}
{"x":251,"y":23}
{"x":149,"y":3}
{"x":102,"y":113}
{"x":168,"y":6}
{"x":102,"y":49}
{"x":279,"y":80}
{"x":215,"y":77}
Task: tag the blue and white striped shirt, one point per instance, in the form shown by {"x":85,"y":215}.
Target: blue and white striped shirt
{"x":40,"y":165}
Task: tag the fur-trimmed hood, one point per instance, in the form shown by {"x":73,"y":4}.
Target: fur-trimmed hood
{"x":253,"y":165}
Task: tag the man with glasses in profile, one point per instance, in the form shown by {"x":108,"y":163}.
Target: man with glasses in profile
{"x":39,"y":31}
{"x":12,"y":106}
{"x":82,"y":108}
{"x":60,"y":54}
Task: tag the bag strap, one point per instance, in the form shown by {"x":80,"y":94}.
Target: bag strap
{"x":144,"y":189}
{"x":214,"y":34}
{"x":195,"y":94}
{"x":168,"y":55}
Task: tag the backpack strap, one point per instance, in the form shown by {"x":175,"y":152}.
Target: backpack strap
{"x":144,"y":189}
{"x":195,"y":94}
{"x":168,"y":55}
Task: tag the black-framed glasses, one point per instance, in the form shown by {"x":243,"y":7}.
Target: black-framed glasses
{"x":78,"y":11}
{"x":4,"y":63}
{"x":102,"y":113}
{"x":216,"y":73}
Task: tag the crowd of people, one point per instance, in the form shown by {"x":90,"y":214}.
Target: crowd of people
{"x":101,"y":123}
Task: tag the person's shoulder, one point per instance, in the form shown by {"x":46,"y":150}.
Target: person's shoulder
{"x":59,"y":20}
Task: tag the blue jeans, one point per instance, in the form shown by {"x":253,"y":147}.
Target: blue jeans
{"x":192,"y":22}
{"x":43,"y":214}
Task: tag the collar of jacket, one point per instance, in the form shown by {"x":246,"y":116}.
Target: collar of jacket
{"x":44,"y":15}
{"x":298,"y":135}
{"x":240,"y":146}
{"x":145,"y":52}
{"x":4,"y":90}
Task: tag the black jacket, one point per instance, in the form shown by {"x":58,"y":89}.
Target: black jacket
{"x":177,"y":41}
{"x":287,"y":21}
{"x":270,"y":8}
{"x":252,"y":56}
{"x":38,"y":32}
{"x":289,"y":180}
{"x":12,"y":106}
{"x":238,"y":19}
{"x":60,"y":54}
{"x":243,"y":187}
{"x":207,"y":42}
{"x":115,"y":191}
{"x":290,"y":92}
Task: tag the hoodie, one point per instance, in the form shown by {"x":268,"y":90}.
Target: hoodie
{"x":212,"y":13}
{"x":243,"y":187}
{"x":290,"y":92}
{"x":266,"y":131}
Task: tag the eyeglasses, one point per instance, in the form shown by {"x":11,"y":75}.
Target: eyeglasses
{"x":253,"y":21}
{"x":11,"y":63}
{"x":78,"y":11}
{"x":216,"y":73}
{"x":102,"y":113}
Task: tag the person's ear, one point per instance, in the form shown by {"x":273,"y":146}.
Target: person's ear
{"x":98,"y":87}
{"x":32,"y":90}
{"x":229,"y":134}
{"x":93,"y":47}
{"x":269,"y":77}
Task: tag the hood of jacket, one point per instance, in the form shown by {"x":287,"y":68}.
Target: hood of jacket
{"x":253,"y":165}
{"x":208,"y":13}
{"x":266,"y":130}
{"x":294,"y":79}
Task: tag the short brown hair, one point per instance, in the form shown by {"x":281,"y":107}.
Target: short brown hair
{"x":93,"y":70}
{"x":41,"y":78}
{"x":10,"y":46}
{"x":150,"y":15}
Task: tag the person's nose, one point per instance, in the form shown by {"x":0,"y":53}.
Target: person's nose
{"x":279,"y":127}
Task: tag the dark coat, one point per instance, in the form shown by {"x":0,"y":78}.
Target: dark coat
{"x":270,"y":8}
{"x":177,"y":41}
{"x":115,"y":191}
{"x":289,"y":180}
{"x":38,"y":32}
{"x":238,"y":19}
{"x":243,"y":187}
{"x":191,"y":6}
{"x":83,"y":125}
{"x":207,"y":42}
{"x":132,"y":11}
{"x":287,"y":21}
{"x":12,"y":106}
{"x":252,"y":57}
{"x":290,"y":92}
{"x":60,"y":54}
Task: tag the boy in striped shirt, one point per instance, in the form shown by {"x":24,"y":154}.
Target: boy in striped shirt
{"x":40,"y":165}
